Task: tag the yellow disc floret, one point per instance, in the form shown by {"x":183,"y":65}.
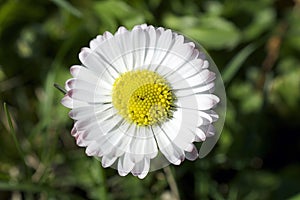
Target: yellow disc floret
{"x":143,"y":97}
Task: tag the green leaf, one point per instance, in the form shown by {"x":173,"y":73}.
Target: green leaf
{"x":111,"y":13}
{"x":211,"y":31}
{"x":262,"y":21}
{"x":215,"y":32}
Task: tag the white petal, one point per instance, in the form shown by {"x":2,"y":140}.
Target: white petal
{"x":96,"y":62}
{"x":178,"y":55}
{"x":125,"y":165}
{"x":112,"y":51}
{"x":88,"y":96}
{"x":89,"y":134}
{"x":116,"y":141}
{"x":195,"y":90}
{"x":142,"y":26}
{"x":107,"y":35}
{"x":209,"y":130}
{"x":108,"y":143}
{"x":193,"y":154}
{"x":96,"y":42}
{"x":83,"y":73}
{"x":187,"y":69}
{"x":121,"y":171}
{"x":174,"y":154}
{"x":126,"y":130}
{"x":87,"y":111}
{"x":151,"y":42}
{"x":92,"y":61}
{"x":198,"y":79}
{"x":125,"y":44}
{"x":74,"y":131}
{"x":164,"y":42}
{"x":205,"y":64}
{"x":200,"y":134}
{"x":139,"y":44}
{"x":191,"y":78}
{"x":190,"y":117}
{"x":93,"y":124}
{"x":143,"y":144}
{"x":213,"y":115}
{"x":108,"y":161}
{"x":100,"y":87}
{"x":173,"y":130}
{"x":80,"y":142}
{"x":204,"y":101}
{"x":137,"y":149}
{"x":72,"y":103}
{"x":207,"y":119}
{"x":108,"y":123}
{"x":141,"y":169}
{"x":121,"y":30}
{"x":67,"y":86}
{"x":128,"y":164}
{"x":92,"y":149}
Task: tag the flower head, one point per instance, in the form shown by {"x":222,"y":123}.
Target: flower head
{"x":141,"y":96}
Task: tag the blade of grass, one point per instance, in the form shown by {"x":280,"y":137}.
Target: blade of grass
{"x":236,"y":63}
{"x":13,"y":132}
{"x":68,"y":7}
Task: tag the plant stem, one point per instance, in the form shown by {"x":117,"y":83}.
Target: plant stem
{"x":172,"y":183}
{"x":60,"y":88}
{"x":103,"y":189}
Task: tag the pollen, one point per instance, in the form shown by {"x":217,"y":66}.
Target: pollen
{"x":143,"y":97}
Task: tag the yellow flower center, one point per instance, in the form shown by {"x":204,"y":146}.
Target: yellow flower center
{"x":143,"y":97}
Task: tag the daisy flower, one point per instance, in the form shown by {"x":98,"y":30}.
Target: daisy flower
{"x":141,"y":99}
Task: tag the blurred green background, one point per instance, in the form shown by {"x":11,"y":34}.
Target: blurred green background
{"x":255,"y":44}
